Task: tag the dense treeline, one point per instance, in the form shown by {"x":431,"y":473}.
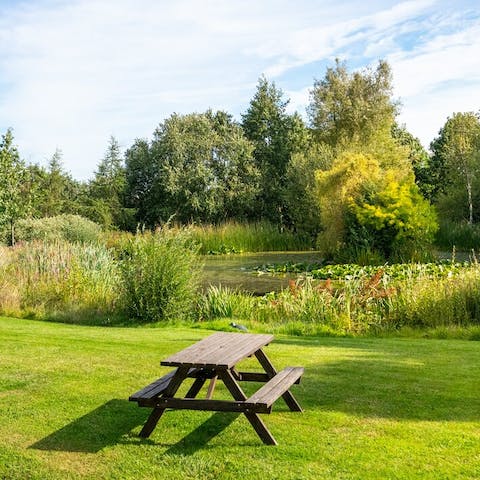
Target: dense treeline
{"x":350,"y":177}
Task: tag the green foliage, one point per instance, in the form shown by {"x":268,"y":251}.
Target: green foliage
{"x":275,"y":136}
{"x":350,"y":271}
{"x":456,"y":157}
{"x":352,"y":108}
{"x":57,"y":192}
{"x":106,"y":192}
{"x":397,"y":219}
{"x":339,"y":188}
{"x":365,"y":207}
{"x":458,"y":235}
{"x":453,"y":300}
{"x":199,"y":167}
{"x":365,"y":300}
{"x":74,"y":283}
{"x":217,"y":302}
{"x":71,"y":228}
{"x":301,"y":190}
{"x":160,"y":276}
{"x":425,"y":174}
{"x":16,"y":188}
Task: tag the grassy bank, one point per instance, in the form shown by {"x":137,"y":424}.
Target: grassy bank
{"x":374,"y":409}
{"x":233,"y":237}
{"x":444,"y":301}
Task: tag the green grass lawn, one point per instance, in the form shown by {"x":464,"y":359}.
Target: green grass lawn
{"x":374,"y":409}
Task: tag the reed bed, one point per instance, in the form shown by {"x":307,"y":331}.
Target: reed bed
{"x":235,"y":237}
{"x":369,"y":305}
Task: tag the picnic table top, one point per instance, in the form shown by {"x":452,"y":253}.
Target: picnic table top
{"x":220,"y":350}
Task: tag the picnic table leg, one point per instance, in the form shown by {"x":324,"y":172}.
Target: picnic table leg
{"x":253,"y":418}
{"x":211,"y":387}
{"x":271,"y":372}
{"x":157,"y":412}
{"x":196,"y":387}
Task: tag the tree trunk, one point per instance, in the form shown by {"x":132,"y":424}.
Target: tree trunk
{"x":470,"y":205}
{"x":12,"y":233}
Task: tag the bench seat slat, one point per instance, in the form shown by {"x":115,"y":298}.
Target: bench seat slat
{"x":276,"y":386}
{"x":154,"y":389}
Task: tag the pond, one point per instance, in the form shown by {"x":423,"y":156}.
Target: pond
{"x":235,"y":271}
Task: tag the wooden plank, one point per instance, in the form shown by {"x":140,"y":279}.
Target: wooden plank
{"x":223,"y":350}
{"x":196,"y":387}
{"x":159,"y":386}
{"x":211,"y":387}
{"x":209,"y":405}
{"x":255,"y":377}
{"x":154,"y":389}
{"x":243,"y":350}
{"x":276,"y":386}
{"x":288,"y":397}
{"x":194,"y":353}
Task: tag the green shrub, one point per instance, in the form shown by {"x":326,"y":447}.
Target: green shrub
{"x":160,"y":275}
{"x":71,"y":228}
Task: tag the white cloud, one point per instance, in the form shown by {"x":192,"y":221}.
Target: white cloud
{"x":74,"y":72}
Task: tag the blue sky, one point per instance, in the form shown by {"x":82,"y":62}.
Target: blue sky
{"x":74,"y":72}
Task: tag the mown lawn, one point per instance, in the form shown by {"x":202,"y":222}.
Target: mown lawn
{"x":374,"y":409}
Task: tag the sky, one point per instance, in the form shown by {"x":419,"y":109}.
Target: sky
{"x":73,"y":73}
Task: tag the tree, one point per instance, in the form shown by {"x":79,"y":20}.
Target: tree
{"x":140,"y":174}
{"x":56,"y":192}
{"x":456,"y":155}
{"x":300,"y":193}
{"x":275,"y":136}
{"x":365,"y":208}
{"x":107,"y":189}
{"x":425,"y":174}
{"x":15,"y":185}
{"x":198,"y":167}
{"x":352,"y":108}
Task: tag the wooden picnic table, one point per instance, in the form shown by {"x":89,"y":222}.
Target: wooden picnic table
{"x":216,"y":357}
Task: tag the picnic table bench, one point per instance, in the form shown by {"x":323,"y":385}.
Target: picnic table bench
{"x":216,"y":357}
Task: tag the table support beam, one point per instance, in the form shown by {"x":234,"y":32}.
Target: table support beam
{"x":157,"y":412}
{"x":253,"y":418}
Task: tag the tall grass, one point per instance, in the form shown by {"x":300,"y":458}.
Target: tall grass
{"x":357,"y":306}
{"x":451,"y":301}
{"x":459,"y":235}
{"x":145,"y":278}
{"x":58,"y":280}
{"x":234,"y":237}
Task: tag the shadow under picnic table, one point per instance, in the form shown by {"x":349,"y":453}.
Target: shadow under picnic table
{"x":199,"y":437}
{"x":90,"y":433}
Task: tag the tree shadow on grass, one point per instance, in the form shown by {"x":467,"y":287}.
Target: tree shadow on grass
{"x":198,"y":438}
{"x":394,"y":380}
{"x":102,"y":427}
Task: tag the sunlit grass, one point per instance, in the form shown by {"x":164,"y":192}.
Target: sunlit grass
{"x":374,"y":409}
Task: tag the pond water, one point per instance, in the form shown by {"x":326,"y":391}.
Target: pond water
{"x":235,"y":271}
